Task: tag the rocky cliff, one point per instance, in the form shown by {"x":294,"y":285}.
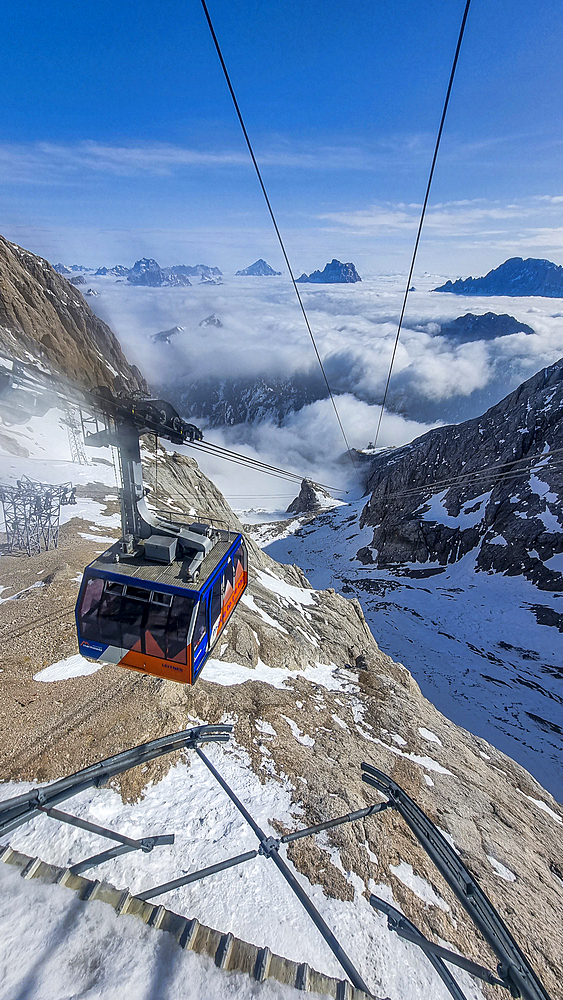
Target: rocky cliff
{"x":515,"y":277}
{"x":43,"y":315}
{"x":510,"y":514}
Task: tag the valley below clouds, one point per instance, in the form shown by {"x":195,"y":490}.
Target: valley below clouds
{"x":285,"y":417}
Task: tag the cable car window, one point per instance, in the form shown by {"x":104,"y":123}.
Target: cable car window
{"x":228,"y":574}
{"x":178,"y":627}
{"x":139,"y":593}
{"x":158,"y":598}
{"x":131,"y":614}
{"x":200,"y":628}
{"x":91,"y":596}
{"x":107,"y":626}
{"x":216,"y":601}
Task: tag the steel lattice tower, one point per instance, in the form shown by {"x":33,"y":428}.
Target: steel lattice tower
{"x":32,"y":514}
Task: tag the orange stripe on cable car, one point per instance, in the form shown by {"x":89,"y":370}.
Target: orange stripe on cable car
{"x":158,"y":667}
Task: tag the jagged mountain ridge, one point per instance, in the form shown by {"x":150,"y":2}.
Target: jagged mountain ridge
{"x":334,"y":273}
{"x":533,"y":276}
{"x":515,"y":530}
{"x":44,"y":316}
{"x":148,"y":271}
{"x":249,"y":399}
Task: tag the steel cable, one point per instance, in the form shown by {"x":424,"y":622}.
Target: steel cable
{"x":273,"y":218}
{"x":423,"y":213}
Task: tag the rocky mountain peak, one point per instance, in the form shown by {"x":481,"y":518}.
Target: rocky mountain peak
{"x":259,"y":269}
{"x":515,"y":277}
{"x":312,"y":498}
{"x":333,"y":273}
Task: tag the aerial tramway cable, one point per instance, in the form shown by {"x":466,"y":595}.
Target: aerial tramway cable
{"x":423,"y":213}
{"x":273,"y":218}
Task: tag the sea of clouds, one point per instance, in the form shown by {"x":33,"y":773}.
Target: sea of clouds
{"x":435,"y":379}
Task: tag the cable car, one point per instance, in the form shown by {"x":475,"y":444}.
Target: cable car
{"x":157,"y":618}
{"x":157,"y":600}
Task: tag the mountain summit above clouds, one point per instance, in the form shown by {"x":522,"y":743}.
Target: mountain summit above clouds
{"x":333,"y":273}
{"x":515,"y":277}
{"x":259,"y":269}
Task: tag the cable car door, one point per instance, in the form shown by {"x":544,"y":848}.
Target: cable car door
{"x":200,"y":636}
{"x":215,"y":599}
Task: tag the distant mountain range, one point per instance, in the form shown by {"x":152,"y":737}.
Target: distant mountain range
{"x":259,"y":269}
{"x":147,"y":271}
{"x":333,"y":273}
{"x":515,"y":277}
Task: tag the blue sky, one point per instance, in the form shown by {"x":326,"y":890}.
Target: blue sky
{"x":118,"y":139}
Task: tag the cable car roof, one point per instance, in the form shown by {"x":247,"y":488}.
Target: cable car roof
{"x":168,"y":578}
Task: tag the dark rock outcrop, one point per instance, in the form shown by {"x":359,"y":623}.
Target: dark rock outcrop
{"x":259,"y":269}
{"x":333,"y":273}
{"x":41,"y":313}
{"x":469,"y":328}
{"x":311,"y":498}
{"x":510,"y":511}
{"x":515,"y":277}
{"x":78,"y":279}
{"x":164,"y":337}
{"x":212,"y":320}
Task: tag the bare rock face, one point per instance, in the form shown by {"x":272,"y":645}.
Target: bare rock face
{"x":43,"y":314}
{"x":513,"y":516}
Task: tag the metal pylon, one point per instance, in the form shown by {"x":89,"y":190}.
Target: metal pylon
{"x":32,"y":514}
{"x":75,"y":437}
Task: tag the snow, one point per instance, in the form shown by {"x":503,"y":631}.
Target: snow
{"x":20,"y":593}
{"x":429,"y":735}
{"x":471,"y":640}
{"x":497,"y":540}
{"x":68,"y":948}
{"x":467,"y":517}
{"x":249,"y":601}
{"x":73,"y":666}
{"x":296,"y":595}
{"x":542,"y":490}
{"x":428,"y":762}
{"x":555,"y":563}
{"x":71,"y":948}
{"x":419,"y":886}
{"x":501,"y":870}
{"x":307,"y":741}
{"x":327,"y":675}
{"x":544,"y":806}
